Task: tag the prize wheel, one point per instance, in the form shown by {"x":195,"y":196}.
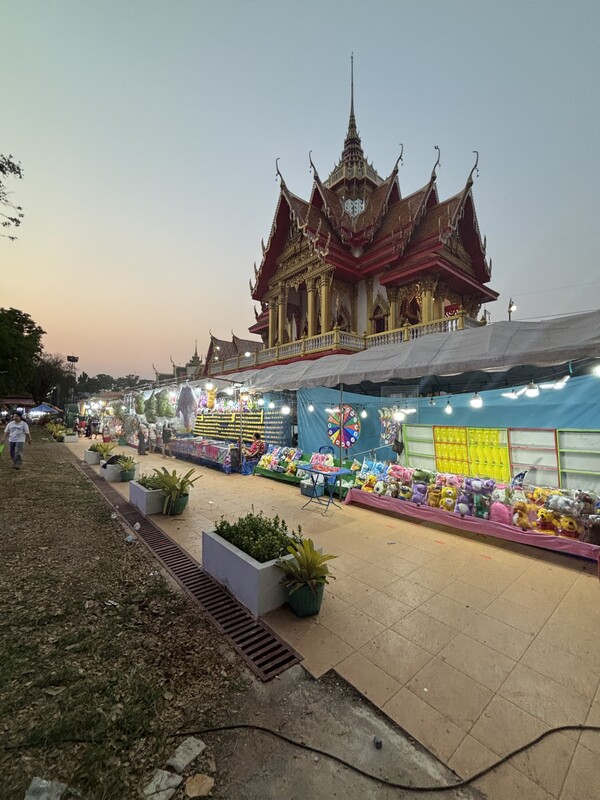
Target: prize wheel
{"x":343,"y":427}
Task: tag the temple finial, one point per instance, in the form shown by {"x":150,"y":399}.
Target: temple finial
{"x":278,"y":173}
{"x":352,"y":84}
{"x":475,"y":167}
{"x":399,"y":159}
{"x":437,"y":163}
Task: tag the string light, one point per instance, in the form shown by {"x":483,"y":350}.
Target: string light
{"x":532,"y":389}
{"x":476,"y":401}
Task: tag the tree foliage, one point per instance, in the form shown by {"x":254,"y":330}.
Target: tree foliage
{"x":20,"y":346}
{"x":50,"y":372}
{"x":11,"y":215}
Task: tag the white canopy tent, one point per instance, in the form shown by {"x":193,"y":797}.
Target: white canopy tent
{"x":490,"y":348}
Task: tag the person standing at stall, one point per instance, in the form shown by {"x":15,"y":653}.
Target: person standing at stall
{"x":141,"y":440}
{"x":17,"y":433}
{"x":167,"y":436}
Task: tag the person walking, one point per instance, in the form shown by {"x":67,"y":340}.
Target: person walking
{"x":17,"y":433}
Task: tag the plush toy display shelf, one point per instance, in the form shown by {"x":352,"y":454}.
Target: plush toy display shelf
{"x":434,"y":517}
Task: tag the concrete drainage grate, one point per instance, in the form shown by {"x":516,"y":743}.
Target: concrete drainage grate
{"x":260,"y":647}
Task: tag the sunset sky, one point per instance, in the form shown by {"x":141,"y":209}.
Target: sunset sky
{"x":148,"y":133}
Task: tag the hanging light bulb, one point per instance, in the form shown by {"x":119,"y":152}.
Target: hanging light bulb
{"x":209,"y":386}
{"x":532,"y":389}
{"x":398,"y":416}
{"x":311,"y":408}
{"x":271,"y":405}
{"x":229,"y":391}
{"x":363,"y":413}
{"x":511,"y":395}
{"x":476,"y":401}
{"x":431,"y":401}
{"x":562,"y":382}
{"x":261,"y":401}
{"x":285,"y":409}
{"x":596,"y":370}
{"x":448,"y":408}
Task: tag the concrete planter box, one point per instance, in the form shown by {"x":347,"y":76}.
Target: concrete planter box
{"x":255,"y":585}
{"x":111,"y":472}
{"x":91,"y":457}
{"x":149,"y":501}
{"x":70,"y":438}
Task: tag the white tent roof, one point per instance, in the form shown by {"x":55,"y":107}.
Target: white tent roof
{"x":490,"y":348}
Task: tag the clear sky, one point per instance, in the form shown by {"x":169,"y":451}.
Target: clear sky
{"x":148,"y":133}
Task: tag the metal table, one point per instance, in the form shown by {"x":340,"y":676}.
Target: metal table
{"x":331,"y":479}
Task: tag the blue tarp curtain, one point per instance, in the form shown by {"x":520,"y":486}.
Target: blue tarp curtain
{"x":577,"y":406}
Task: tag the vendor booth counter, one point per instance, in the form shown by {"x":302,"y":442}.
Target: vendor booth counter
{"x":450,"y":520}
{"x":207,"y":452}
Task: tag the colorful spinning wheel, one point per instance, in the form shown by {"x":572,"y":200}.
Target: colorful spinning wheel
{"x":343,"y":427}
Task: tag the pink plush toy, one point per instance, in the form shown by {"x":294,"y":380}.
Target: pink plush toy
{"x":500,"y":513}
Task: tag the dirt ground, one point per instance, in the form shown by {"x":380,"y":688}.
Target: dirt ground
{"x":102,"y":661}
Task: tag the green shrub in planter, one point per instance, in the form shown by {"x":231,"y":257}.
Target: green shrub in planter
{"x":260,"y":537}
{"x":128,"y":465}
{"x":150,"y":481}
{"x":305,"y":577}
{"x":105,"y":449}
{"x":176,"y":489}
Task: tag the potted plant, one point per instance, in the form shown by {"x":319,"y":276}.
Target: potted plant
{"x":105,"y":449}
{"x":243,"y":557}
{"x":111,"y":469}
{"x":128,"y":465}
{"x":305,"y":576}
{"x":176,"y":489}
{"x":92,"y":454}
{"x":145,"y":493}
{"x":70,"y":436}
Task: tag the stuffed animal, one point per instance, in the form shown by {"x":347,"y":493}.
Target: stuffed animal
{"x":421,"y":476}
{"x":434,"y":495}
{"x":419,"y":495}
{"x":500,"y":513}
{"x":391,"y":489}
{"x":360,"y":479}
{"x":540,"y":495}
{"x":587,"y":502}
{"x":568,"y":526}
{"x":292,"y":468}
{"x":464,"y":505}
{"x":592,"y":530}
{"x":369,"y":484}
{"x":405,"y":491}
{"x":562,"y":505}
{"x":448,"y":498}
{"x":545,"y":521}
{"x":379,"y":487}
{"x":520,"y":516}
{"x":481,"y":508}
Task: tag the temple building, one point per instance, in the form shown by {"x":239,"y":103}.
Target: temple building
{"x":359,"y":265}
{"x":193,"y":368}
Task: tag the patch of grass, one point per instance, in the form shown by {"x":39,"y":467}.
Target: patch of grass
{"x":74,"y":667}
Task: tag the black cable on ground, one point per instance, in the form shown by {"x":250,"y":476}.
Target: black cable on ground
{"x":405,"y":787}
{"x":384,"y":781}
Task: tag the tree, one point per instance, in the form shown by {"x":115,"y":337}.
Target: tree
{"x":14,"y":214}
{"x":20,"y":346}
{"x":50,"y":372}
{"x":127,"y":382}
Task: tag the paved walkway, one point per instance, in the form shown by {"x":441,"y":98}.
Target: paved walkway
{"x":472,"y":646}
